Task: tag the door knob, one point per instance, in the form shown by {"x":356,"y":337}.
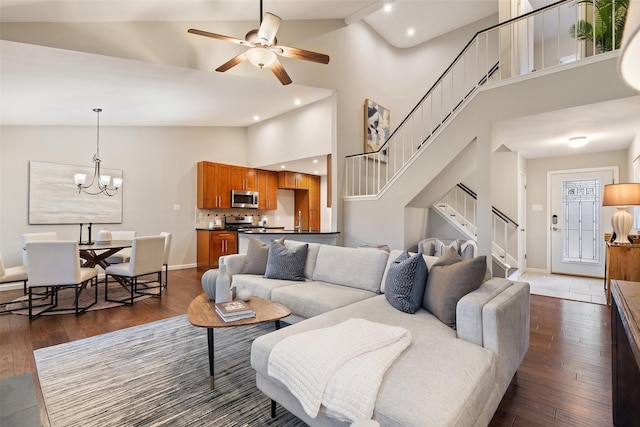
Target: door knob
{"x":556,"y":229}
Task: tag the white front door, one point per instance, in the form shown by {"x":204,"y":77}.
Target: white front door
{"x":578,"y":222}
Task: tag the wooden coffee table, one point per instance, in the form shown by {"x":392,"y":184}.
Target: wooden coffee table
{"x":202,"y":313}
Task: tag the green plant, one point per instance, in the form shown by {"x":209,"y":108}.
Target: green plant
{"x":609,"y":23}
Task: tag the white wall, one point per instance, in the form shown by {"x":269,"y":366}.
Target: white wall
{"x":159,"y":170}
{"x":300,"y":134}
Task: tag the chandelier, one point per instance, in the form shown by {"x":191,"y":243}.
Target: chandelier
{"x":103,"y":181}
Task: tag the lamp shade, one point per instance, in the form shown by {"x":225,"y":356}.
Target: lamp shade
{"x":621,"y":195}
{"x":629,"y":63}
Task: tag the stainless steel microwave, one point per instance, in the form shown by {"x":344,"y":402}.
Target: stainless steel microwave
{"x":244,"y":199}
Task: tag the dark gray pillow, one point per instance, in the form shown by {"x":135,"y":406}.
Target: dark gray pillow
{"x":255,"y":261}
{"x":286,"y":264}
{"x":448,"y":281}
{"x":406,"y":279}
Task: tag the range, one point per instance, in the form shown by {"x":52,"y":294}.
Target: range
{"x":241,"y":223}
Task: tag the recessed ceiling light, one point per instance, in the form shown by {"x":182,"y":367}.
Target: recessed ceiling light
{"x":316,"y":172}
{"x":282,"y":167}
{"x":411,"y":31}
{"x":578,"y":141}
{"x":297,"y":101}
{"x":315,"y":160}
{"x":256,"y":117}
{"x":388,"y":7}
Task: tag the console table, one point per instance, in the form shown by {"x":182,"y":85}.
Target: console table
{"x":625,"y":352}
{"x":623,"y":263}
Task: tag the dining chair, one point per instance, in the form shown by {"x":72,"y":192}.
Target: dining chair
{"x":146,"y":259}
{"x":165,"y":256}
{"x":35,"y":237}
{"x":123,"y":255}
{"x":55,"y":265}
{"x":13,"y":274}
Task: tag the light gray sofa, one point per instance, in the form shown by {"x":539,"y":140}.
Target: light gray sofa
{"x":445,"y":377}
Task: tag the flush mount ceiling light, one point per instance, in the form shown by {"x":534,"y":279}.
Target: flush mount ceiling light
{"x":102,"y":181}
{"x":629,"y":63}
{"x":578,"y":141}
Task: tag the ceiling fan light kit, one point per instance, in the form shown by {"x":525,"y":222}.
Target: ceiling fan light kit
{"x":261,"y":57}
{"x":264,"y":48}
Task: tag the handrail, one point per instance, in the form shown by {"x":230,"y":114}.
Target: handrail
{"x":446,"y":71}
{"x":513,"y":48}
{"x":495,"y":210}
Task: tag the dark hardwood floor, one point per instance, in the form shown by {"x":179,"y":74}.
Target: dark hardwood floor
{"x":565,"y":379}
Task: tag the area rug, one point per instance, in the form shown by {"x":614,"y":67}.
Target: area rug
{"x":18,"y":402}
{"x":156,"y":375}
{"x":66,"y":298}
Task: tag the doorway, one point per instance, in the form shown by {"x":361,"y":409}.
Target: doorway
{"x":578,"y":220}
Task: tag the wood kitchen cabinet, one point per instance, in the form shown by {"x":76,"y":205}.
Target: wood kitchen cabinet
{"x":314,"y":203}
{"x":212,"y":244}
{"x":293,"y":180}
{"x":267,"y":189}
{"x":623,"y":263}
{"x":214,"y":185}
{"x":243,"y":179}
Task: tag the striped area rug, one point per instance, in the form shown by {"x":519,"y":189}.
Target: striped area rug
{"x":156,"y":375}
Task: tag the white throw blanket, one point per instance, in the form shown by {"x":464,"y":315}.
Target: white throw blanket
{"x":340,"y":367}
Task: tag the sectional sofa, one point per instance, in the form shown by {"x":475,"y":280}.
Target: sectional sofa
{"x":449,"y":375}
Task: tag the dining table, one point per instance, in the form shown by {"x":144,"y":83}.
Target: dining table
{"x":97,"y":253}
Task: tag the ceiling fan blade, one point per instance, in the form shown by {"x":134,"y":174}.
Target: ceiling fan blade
{"x":307,"y":55}
{"x":218,"y":36}
{"x":232,"y":62}
{"x":269,"y":28}
{"x":277,"y":69}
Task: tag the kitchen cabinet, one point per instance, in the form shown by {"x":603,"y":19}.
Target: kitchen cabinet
{"x":622,"y":264}
{"x":267,"y":189}
{"x":293,"y":180}
{"x":212,"y":244}
{"x":214,"y":185}
{"x":314,"y":203}
{"x":243,"y":179}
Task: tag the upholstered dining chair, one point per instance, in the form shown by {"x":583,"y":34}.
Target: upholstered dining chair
{"x":54,"y":265}
{"x":165,"y":256}
{"x":123,"y":255}
{"x":146,"y":259}
{"x":35,"y":237}
{"x":13,"y":274}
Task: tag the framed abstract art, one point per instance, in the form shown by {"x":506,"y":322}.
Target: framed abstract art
{"x":376,"y":119}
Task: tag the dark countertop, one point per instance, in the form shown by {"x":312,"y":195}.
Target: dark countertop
{"x":281,"y":231}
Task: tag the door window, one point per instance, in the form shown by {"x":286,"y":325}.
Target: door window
{"x":581,"y":206}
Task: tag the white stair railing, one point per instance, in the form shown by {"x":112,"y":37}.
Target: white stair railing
{"x":533,"y":42}
{"x":459,"y":205}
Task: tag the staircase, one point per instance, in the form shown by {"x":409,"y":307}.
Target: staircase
{"x":487,"y":82}
{"x":458,"y":208}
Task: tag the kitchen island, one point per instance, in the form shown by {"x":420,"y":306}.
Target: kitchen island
{"x":269,"y":234}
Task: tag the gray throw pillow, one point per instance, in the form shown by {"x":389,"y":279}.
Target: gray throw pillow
{"x":448,"y":281}
{"x":406,"y":279}
{"x":255,"y":261}
{"x":286,"y":264}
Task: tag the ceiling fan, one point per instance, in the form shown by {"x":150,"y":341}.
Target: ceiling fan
{"x":264,"y":48}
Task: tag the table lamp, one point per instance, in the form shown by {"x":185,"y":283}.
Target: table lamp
{"x":621,"y":196}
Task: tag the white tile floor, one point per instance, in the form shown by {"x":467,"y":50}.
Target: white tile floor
{"x":575,"y":288}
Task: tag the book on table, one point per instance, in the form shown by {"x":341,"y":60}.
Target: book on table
{"x":234,"y":310}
